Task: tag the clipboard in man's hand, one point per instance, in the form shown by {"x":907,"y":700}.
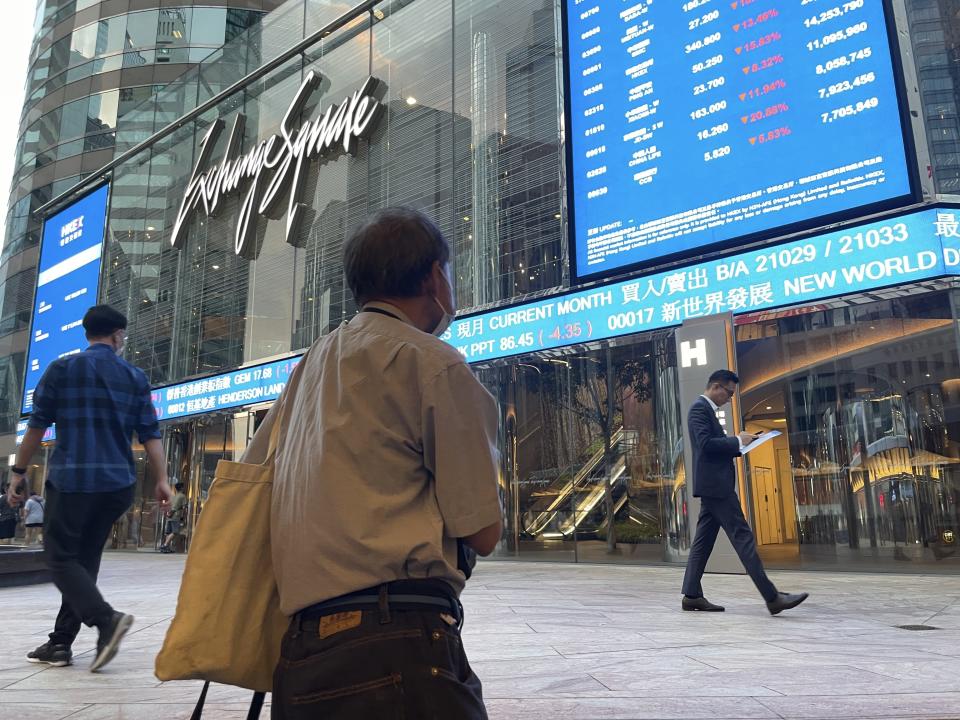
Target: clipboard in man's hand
{"x":760,"y":440}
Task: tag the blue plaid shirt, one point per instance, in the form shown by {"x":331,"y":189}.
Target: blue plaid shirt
{"x":97,"y":400}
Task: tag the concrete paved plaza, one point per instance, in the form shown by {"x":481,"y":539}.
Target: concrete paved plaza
{"x":558,"y":642}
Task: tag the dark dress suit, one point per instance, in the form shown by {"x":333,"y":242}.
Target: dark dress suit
{"x":714,"y":482}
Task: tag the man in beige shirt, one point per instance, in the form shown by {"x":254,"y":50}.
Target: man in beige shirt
{"x":386,"y":460}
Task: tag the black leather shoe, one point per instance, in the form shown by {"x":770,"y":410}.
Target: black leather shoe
{"x":786,"y":601}
{"x":700,"y":603}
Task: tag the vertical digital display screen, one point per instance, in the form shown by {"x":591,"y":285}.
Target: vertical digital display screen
{"x":693,"y":123}
{"x":67,"y":284}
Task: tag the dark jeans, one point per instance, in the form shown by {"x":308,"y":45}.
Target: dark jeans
{"x":402,"y":665}
{"x":76,"y":527}
{"x":726,"y":513}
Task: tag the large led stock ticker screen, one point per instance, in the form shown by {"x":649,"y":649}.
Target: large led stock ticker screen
{"x":694,"y":123}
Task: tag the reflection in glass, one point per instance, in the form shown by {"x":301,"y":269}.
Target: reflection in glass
{"x":868,"y":470}
{"x":590,"y":452}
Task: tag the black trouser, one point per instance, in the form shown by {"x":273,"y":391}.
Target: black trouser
{"x":387,"y":664}
{"x":76,"y":527}
{"x":726,"y":513}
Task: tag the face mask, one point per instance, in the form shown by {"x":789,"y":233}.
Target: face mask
{"x":118,"y":348}
{"x":447,"y":318}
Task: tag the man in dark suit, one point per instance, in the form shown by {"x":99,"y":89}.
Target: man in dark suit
{"x":714,"y":482}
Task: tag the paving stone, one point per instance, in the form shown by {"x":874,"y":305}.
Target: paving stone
{"x":566,"y":642}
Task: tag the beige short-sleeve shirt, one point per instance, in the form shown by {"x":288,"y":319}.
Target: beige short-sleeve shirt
{"x":388,"y":455}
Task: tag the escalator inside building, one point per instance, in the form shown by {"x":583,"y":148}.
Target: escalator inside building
{"x":590,"y":437}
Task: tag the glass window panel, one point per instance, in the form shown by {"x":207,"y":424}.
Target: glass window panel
{"x":198,"y":55}
{"x":142,"y":29}
{"x":79,"y":72}
{"x":131,"y":97}
{"x":102,"y":113}
{"x":107,"y":64}
{"x":111,"y":35}
{"x":99,"y":142}
{"x":209,"y":26}
{"x":83,"y":44}
{"x":73,"y":122}
{"x":138,"y":58}
{"x":173,"y":28}
{"x":69,"y":149}
{"x":173,"y":55}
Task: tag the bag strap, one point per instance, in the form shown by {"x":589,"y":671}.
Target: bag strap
{"x":256,"y":704}
{"x":198,"y":710}
{"x":282,"y":407}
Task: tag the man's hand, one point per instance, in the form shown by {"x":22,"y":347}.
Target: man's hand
{"x":17,"y":490}
{"x":747,"y":438}
{"x":164,"y":492}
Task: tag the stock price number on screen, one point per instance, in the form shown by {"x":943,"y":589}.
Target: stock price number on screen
{"x":709,"y":85}
{"x":873,"y":238}
{"x":788,"y":257}
{"x":710,"y":17}
{"x":709,"y":110}
{"x":692,"y":5}
{"x":517,"y":342}
{"x":713,"y":132}
{"x":850,"y":110}
{"x":706,"y":64}
{"x":847,"y":85}
{"x":838,"y":36}
{"x":702,"y":43}
{"x":844,"y":61}
{"x":833,"y":13}
{"x":720,"y":152}
{"x":569,"y":331}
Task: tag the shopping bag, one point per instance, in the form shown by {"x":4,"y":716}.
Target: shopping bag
{"x":228,"y":626}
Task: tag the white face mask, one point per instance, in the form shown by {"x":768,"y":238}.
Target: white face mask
{"x":447,"y":318}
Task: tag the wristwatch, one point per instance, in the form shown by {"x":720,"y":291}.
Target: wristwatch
{"x":18,"y":471}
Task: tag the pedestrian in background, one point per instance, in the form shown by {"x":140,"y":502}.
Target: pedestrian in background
{"x":97,"y":401}
{"x":388,"y":459}
{"x":175,"y":518}
{"x":715,"y":483}
{"x":33,"y":519}
{"x":9,"y":517}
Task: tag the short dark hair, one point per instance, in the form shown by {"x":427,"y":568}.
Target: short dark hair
{"x":392,"y":253}
{"x":102,"y":320}
{"x":179,"y":487}
{"x":722,"y":377}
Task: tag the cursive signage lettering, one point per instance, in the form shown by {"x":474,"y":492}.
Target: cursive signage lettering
{"x":276,"y":167}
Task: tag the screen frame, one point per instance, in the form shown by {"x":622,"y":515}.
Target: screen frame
{"x":36,"y":286}
{"x":819,"y":222}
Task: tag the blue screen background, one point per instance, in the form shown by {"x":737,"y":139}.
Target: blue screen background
{"x":790,"y":89}
{"x":62,"y":301}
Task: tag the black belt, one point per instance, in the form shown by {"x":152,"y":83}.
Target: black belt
{"x":397,"y":595}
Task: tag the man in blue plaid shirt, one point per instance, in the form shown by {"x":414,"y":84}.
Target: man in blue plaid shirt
{"x":97,"y":401}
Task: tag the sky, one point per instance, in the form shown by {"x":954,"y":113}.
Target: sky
{"x":14,"y":54}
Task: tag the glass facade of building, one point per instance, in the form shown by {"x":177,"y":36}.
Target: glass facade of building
{"x":865,"y":389}
{"x":91,"y":62}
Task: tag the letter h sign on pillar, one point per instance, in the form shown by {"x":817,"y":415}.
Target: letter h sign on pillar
{"x":693,"y":352}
